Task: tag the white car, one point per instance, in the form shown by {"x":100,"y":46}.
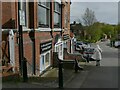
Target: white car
{"x":117,"y":44}
{"x":89,"y":51}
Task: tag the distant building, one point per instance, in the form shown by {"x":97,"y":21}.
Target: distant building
{"x":77,"y":29}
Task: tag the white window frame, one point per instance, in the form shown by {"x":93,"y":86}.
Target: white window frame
{"x":57,"y":49}
{"x":57,"y":29}
{"x":44,"y":54}
{"x":43,"y":29}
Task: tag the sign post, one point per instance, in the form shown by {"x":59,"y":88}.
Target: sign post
{"x":22,"y":61}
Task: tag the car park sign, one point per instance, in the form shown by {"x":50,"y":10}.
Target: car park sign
{"x":22,"y":17}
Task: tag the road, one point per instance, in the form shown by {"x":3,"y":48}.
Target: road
{"x":105,"y":76}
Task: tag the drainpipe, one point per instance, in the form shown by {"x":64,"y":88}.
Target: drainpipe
{"x":32,"y":37}
{"x":33,"y":50}
{"x":61,"y":17}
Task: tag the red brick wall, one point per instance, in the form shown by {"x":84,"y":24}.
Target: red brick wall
{"x":8,"y":15}
{"x":27,"y":46}
{"x":40,"y":37}
{"x":5,"y":44}
{"x":10,"y":20}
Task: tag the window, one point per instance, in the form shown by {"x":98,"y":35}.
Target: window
{"x":25,"y":9}
{"x":42,"y":58}
{"x":45,"y":61}
{"x":44,"y":14}
{"x":65,"y":44}
{"x":61,"y":53}
{"x":47,"y":58}
{"x":59,"y":49}
{"x":57,"y":15}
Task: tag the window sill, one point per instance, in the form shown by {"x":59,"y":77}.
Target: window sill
{"x":57,"y":29}
{"x":43,"y":29}
{"x":26,"y":29}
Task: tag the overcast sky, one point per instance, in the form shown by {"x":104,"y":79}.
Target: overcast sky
{"x":104,"y":11}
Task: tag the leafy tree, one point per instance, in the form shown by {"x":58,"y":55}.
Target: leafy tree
{"x":108,"y":30}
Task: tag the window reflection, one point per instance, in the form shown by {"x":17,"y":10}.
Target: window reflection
{"x":57,"y":15}
{"x":43,"y":14}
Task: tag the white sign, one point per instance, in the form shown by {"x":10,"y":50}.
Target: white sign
{"x":22,"y":17}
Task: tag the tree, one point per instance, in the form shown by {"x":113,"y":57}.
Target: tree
{"x":77,"y":29}
{"x":96,"y":32}
{"x":89,"y":17}
{"x":88,"y":20}
{"x":108,"y":30}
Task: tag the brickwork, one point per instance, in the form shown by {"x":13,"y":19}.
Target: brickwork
{"x":10,"y":21}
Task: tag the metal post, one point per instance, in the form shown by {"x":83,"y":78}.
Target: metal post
{"x":21,"y":52}
{"x":76,"y":66}
{"x":60,"y":75}
{"x":20,"y":40}
{"x":25,"y":77}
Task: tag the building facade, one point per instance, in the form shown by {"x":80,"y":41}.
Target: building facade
{"x":46,"y":28}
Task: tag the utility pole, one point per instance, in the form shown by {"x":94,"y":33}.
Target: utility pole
{"x":22,"y":61}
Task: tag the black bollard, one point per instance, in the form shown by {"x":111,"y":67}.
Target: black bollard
{"x":60,"y":74}
{"x":76,"y":66}
{"x":25,"y":77}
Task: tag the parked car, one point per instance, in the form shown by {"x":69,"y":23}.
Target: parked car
{"x":117,"y":44}
{"x":87,"y":44}
{"x":88,"y":52}
{"x":79,"y":45}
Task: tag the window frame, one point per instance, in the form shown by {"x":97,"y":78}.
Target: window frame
{"x":26,"y":10}
{"x":44,"y":55}
{"x":58,"y":12}
{"x":44,"y":27}
{"x":59,"y":48}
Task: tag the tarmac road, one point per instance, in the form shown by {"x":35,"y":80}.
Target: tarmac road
{"x":105,"y":76}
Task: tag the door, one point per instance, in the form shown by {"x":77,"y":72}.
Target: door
{"x":12,"y":48}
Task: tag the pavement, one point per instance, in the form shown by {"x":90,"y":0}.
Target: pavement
{"x":50,"y":78}
{"x":105,"y":76}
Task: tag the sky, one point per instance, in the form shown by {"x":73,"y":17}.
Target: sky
{"x":105,"y":11}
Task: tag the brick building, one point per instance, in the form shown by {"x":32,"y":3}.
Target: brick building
{"x":46,"y":29}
